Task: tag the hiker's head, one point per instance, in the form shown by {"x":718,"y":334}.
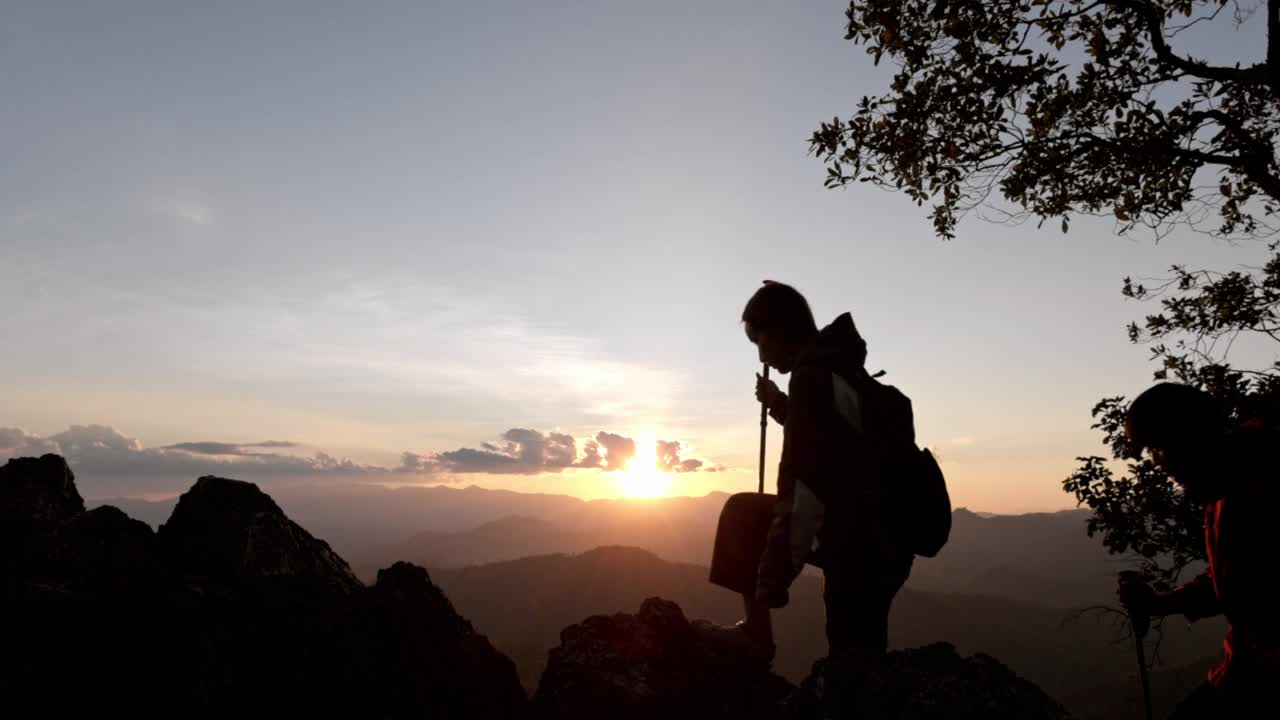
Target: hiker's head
{"x":1183,"y":429}
{"x":778,"y":320}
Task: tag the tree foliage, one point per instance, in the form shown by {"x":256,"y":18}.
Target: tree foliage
{"x":1062,"y":107}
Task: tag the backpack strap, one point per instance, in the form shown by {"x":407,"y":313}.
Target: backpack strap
{"x":848,"y":402}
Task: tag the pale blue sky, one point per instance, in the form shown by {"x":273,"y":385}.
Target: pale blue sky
{"x":379,"y":227}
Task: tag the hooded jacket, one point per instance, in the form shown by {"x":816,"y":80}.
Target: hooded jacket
{"x":829,"y":509}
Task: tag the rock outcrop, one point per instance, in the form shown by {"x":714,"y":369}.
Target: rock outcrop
{"x":921,"y":684}
{"x":653,"y":665}
{"x":230,"y":531}
{"x":229,"y":610}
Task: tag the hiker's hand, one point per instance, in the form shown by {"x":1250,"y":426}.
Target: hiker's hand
{"x":767,"y":391}
{"x":1137,"y":597}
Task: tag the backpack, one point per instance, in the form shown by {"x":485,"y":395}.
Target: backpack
{"x":918,"y":506}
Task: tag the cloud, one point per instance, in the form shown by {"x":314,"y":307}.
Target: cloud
{"x":561,"y":450}
{"x":411,"y":462}
{"x":106,"y":457}
{"x":591,"y":457}
{"x":106,"y":460}
{"x":618,"y":449}
{"x":79,"y":439}
{"x":555,"y":450}
{"x":526,"y":451}
{"x":207,"y":448}
{"x":668,"y":458}
{"x":18,"y":443}
{"x":467,"y":460}
{"x":522,"y":451}
{"x":220,"y":448}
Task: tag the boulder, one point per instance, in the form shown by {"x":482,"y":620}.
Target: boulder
{"x":921,"y":684}
{"x":653,"y":664}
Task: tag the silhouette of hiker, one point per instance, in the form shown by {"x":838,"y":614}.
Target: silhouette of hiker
{"x":1233,"y":472}
{"x":826,"y":511}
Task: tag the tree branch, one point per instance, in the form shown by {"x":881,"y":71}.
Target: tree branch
{"x":1154,"y":20}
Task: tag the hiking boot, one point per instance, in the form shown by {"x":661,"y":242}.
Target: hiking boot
{"x":735,"y":638}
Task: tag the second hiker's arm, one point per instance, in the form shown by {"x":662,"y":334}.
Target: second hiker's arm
{"x":1195,"y":600}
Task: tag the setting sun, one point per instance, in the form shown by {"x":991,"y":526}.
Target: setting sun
{"x":642,"y":478}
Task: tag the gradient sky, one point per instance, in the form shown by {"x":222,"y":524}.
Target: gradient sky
{"x":374,"y":228}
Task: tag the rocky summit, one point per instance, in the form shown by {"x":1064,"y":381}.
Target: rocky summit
{"x":230,"y":610}
{"x":656,"y":664}
{"x":233,"y":610}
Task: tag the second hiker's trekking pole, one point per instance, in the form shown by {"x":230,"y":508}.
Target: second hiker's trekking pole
{"x":1140,"y":623}
{"x":764,"y":426}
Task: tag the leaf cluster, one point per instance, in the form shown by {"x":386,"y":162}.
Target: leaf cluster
{"x":1061,"y":107}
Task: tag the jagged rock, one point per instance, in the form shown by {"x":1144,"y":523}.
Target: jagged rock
{"x":230,"y":529}
{"x":37,"y":497}
{"x":105,"y":548}
{"x":230,"y":610}
{"x":431,"y":656}
{"x":652,"y":664}
{"x":921,"y":684}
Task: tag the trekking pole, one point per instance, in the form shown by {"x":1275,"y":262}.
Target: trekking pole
{"x":1140,"y":624}
{"x":1139,"y":635}
{"x":764,"y":426}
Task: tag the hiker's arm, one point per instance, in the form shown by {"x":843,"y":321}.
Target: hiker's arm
{"x":798,"y":512}
{"x":774,"y":399}
{"x":1195,"y":600}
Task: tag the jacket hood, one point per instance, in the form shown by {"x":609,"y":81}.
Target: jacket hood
{"x":838,"y":346}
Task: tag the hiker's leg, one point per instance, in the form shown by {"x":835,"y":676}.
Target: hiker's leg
{"x":858,"y":611}
{"x":735,"y":559}
{"x":759,"y":623}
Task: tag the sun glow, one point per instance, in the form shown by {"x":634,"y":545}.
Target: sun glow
{"x":642,"y":478}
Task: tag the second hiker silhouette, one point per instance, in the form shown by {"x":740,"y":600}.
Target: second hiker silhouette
{"x":830,"y":506}
{"x":1233,"y":472}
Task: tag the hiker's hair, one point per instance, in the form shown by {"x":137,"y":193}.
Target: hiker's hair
{"x":1168,"y":413}
{"x":779,"y":310}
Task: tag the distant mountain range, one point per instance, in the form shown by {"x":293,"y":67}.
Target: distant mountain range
{"x":522,"y":605}
{"x":362,"y":520}
{"x":1042,"y":558}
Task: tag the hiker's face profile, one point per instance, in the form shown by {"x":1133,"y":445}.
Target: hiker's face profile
{"x":771,"y":351}
{"x":1184,"y":463}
